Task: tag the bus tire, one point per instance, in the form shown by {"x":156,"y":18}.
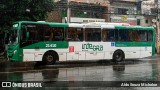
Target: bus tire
{"x":118,"y":56}
{"x":50,"y":57}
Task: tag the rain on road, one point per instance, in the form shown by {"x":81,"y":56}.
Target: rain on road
{"x":131,"y":70}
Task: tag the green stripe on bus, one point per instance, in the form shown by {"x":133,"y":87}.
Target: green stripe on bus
{"x":58,"y":25}
{"x":49,"y":44}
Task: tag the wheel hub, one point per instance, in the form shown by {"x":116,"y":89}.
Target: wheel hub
{"x":49,"y":58}
{"x":117,"y":56}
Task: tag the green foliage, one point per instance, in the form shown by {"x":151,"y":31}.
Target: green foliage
{"x":16,"y":10}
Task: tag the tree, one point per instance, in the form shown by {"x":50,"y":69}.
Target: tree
{"x":16,"y":10}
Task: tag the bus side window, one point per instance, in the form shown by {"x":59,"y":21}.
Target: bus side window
{"x":115,"y":34}
{"x":23,"y":35}
{"x":92,"y":34}
{"x":123,"y":35}
{"x":104,"y":35}
{"x":131,"y":35}
{"x":79,"y":34}
{"x":143,"y":35}
{"x":108,"y":35}
{"x":134,"y":36}
{"x":41,"y":33}
{"x":75,"y":34}
{"x":47,"y":35}
{"x":58,"y":34}
{"x":149,"y":36}
{"x":33,"y":35}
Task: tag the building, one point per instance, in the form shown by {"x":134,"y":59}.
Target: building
{"x":149,"y":12}
{"x":134,"y":12}
{"x":80,"y":11}
{"x":124,"y":11}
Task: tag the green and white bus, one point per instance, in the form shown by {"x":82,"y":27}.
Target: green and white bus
{"x":50,"y":42}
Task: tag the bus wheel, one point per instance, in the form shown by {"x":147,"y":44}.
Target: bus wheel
{"x":50,"y":57}
{"x":118,"y":56}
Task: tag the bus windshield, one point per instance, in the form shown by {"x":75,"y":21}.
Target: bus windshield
{"x":13,"y":38}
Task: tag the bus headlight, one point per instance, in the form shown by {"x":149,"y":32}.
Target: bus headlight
{"x":15,"y":51}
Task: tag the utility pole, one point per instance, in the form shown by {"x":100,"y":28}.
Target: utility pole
{"x":68,"y":11}
{"x":157,"y":27}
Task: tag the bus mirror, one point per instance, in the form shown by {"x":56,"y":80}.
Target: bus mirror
{"x":27,"y":35}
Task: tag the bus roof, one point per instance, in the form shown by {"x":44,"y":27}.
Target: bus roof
{"x":108,"y":23}
{"x":91,"y":25}
{"x":76,"y":25}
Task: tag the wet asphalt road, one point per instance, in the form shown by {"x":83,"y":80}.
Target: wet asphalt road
{"x":76,"y":73}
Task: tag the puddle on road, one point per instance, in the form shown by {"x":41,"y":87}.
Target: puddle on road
{"x":8,"y":67}
{"x":116,"y":72}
